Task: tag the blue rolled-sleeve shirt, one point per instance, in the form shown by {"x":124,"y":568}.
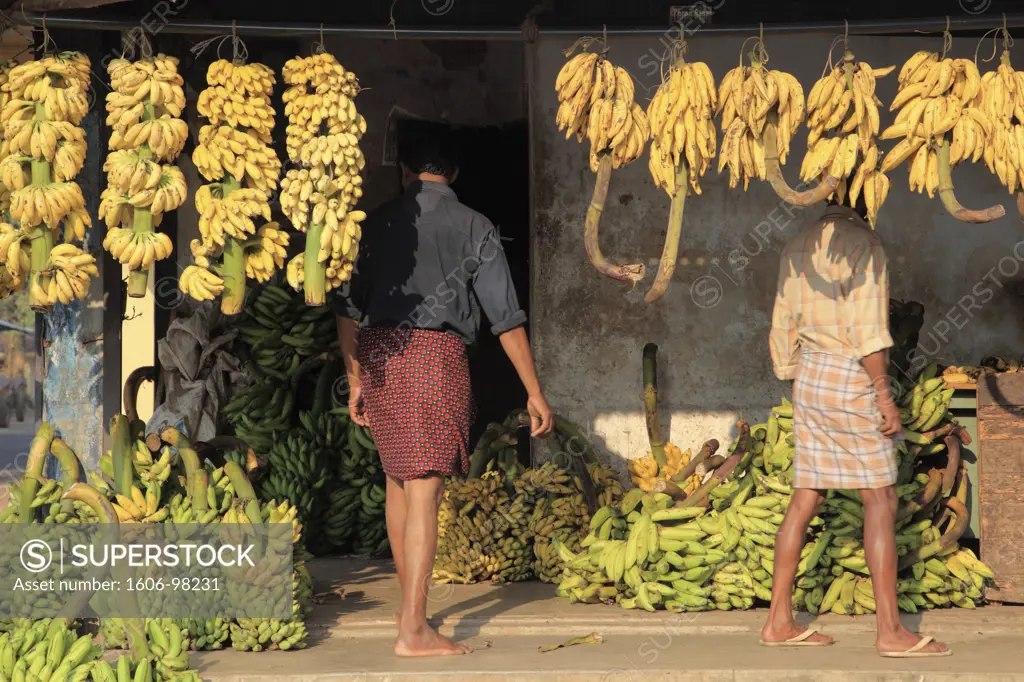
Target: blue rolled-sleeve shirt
{"x":428,"y":262}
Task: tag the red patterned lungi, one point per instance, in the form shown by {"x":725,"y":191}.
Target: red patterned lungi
{"x":418,"y":399}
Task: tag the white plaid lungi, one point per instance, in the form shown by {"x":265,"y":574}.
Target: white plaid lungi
{"x":835,"y":424}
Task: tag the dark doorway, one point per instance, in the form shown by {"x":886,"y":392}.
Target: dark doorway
{"x":494,"y":179}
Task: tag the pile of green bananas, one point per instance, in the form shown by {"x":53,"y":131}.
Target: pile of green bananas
{"x":47,"y":649}
{"x":483,"y":532}
{"x":329,"y":468}
{"x":560,"y":511}
{"x":715,"y":548}
{"x":279,"y":333}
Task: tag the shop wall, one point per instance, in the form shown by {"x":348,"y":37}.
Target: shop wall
{"x":713,"y":323}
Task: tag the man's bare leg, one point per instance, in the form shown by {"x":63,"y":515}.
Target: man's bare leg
{"x":415,"y":636}
{"x":781,"y":625}
{"x":394,"y":514}
{"x":880,"y":552}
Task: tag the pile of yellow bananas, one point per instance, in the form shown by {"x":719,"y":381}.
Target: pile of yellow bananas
{"x":749,"y":99}
{"x":43,"y":149}
{"x":936,"y":97}
{"x":143,"y":111}
{"x":844,"y":104}
{"x":644,"y":471}
{"x":235,"y":155}
{"x":323,"y":136}
{"x":681,"y":115}
{"x":597,"y":103}
{"x":1003,"y":105}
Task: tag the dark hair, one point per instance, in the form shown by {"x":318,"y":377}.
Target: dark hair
{"x":426,"y":147}
{"x":861,"y":207}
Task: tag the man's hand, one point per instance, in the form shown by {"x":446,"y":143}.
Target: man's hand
{"x":891,"y":424}
{"x":542,"y":418}
{"x":356,"y":406}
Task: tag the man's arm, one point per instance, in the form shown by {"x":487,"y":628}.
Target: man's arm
{"x":782,"y":340}
{"x":492,"y":284}
{"x":870,"y":301}
{"x":348,"y":338}
{"x":517,"y":347}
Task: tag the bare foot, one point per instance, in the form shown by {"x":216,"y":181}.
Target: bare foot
{"x":783,"y":633}
{"x":427,"y":642}
{"x":903,"y":639}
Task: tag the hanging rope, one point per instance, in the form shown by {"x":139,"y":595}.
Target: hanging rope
{"x":947,"y":40}
{"x":319,"y":47}
{"x":239,"y":52}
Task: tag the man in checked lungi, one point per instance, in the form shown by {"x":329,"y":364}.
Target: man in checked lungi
{"x":427,"y":266}
{"x":830,"y":332}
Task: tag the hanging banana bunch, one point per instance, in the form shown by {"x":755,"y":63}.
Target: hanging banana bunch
{"x":144,"y":112}
{"x":684,"y":141}
{"x":45,"y":149}
{"x":844,"y":122}
{"x":596,"y":102}
{"x":235,"y":155}
{"x":935,"y":95}
{"x":1003,"y":105}
{"x":324,"y":130}
{"x":8,"y":282}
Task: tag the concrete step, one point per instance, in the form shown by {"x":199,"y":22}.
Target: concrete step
{"x":352,"y":631}
{"x":625,"y":658}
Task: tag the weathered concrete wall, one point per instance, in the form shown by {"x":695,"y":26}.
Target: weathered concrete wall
{"x":712,"y":325}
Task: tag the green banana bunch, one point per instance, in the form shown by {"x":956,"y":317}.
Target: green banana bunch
{"x":263,"y":634}
{"x":209,"y":634}
{"x":47,"y":650}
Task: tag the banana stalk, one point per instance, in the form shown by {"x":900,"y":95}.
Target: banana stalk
{"x":70,"y":468}
{"x":952,"y":464}
{"x":121,"y":454}
{"x":1020,"y":204}
{"x":773,"y":169}
{"x":42,"y":237}
{"x":34,"y":470}
{"x":623,"y":273}
{"x":233,"y":268}
{"x":190,"y":460}
{"x":314,"y":284}
{"x":669,"y":254}
{"x":142,"y":220}
{"x":175,"y":438}
{"x":650,"y":374}
{"x":198,"y":490}
{"x":244,"y":490}
{"x":949,"y":200}
{"x":948,"y":539}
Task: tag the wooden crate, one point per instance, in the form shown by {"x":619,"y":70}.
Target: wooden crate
{"x":1001,"y":481}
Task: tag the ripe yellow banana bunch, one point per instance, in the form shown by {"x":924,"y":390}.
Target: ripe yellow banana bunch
{"x":597,"y":103}
{"x":229,"y":216}
{"x":844,"y":122}
{"x":148,"y":82}
{"x":58,"y":82}
{"x":200,"y":283}
{"x":137,"y":250}
{"x":681,"y":116}
{"x":936,"y":97}
{"x":245,"y":154}
{"x":749,"y":98}
{"x":266,"y":253}
{"x":5,"y":77}
{"x":234,"y":154}
{"x":49,"y":205}
{"x":1003,"y":106}
{"x":71,"y":271}
{"x":44,"y":101}
{"x":14,"y":253}
{"x":323,"y":134}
